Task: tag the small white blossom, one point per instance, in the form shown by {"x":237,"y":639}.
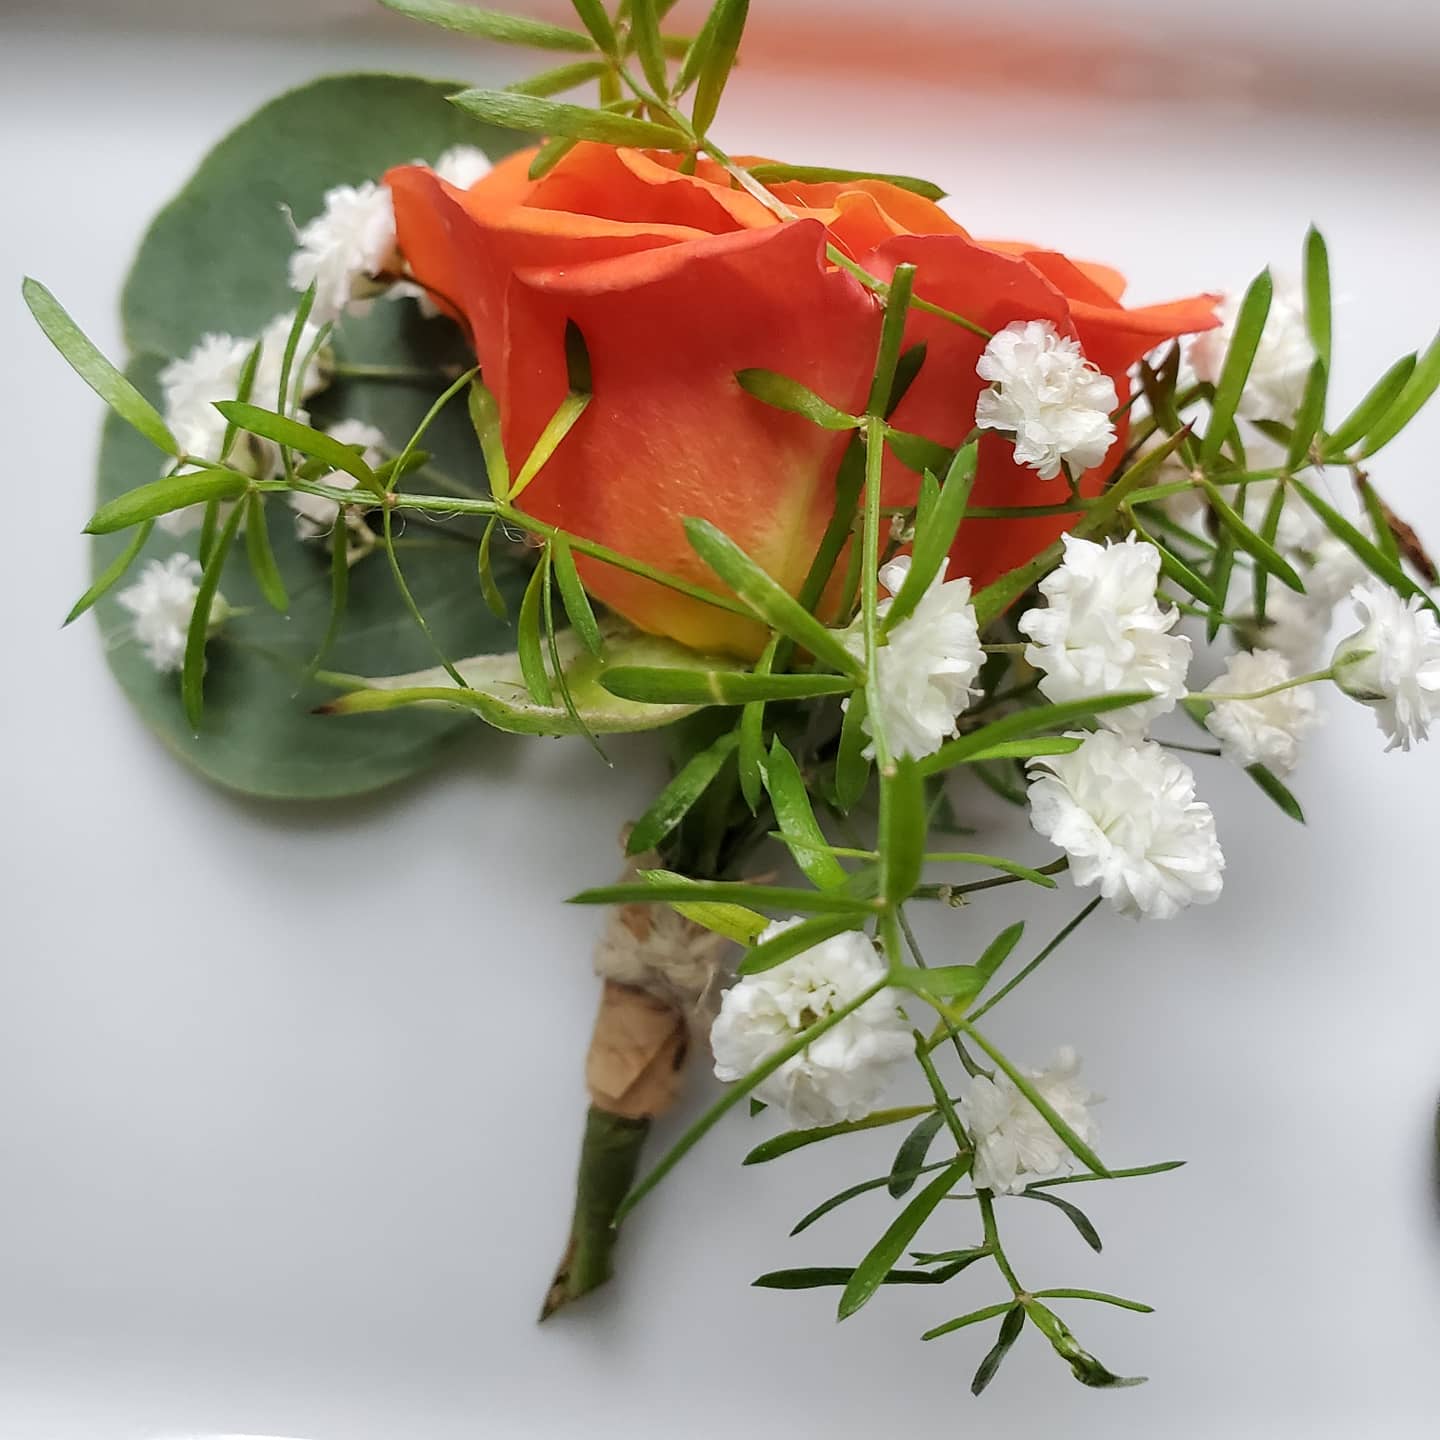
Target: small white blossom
{"x":1266,"y":731}
{"x":1295,"y":625}
{"x":1045,"y":392}
{"x":315,"y":515}
{"x":927,"y":665}
{"x":1392,"y":663}
{"x":190,"y":387}
{"x":162,"y":601}
{"x":1331,"y":570}
{"x":1102,"y":632}
{"x":462,"y":166}
{"x":1128,"y":818}
{"x":344,"y":248}
{"x":211,"y":372}
{"x":1276,"y":383}
{"x":843,"y":1073}
{"x":265,"y":392}
{"x":1014,"y":1144}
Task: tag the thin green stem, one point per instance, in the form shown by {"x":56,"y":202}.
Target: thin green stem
{"x":946,"y":892}
{"x":992,"y":1242}
{"x":943,"y":1100}
{"x":1313,"y":678}
{"x":1024,"y":974}
{"x":869,"y":582}
{"x":410,"y":374}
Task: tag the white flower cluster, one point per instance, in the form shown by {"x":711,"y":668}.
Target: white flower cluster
{"x":1392,"y":663}
{"x":927,"y":664}
{"x":1122,"y":809}
{"x":1127,"y":816}
{"x":190,"y":388}
{"x":1102,"y":632}
{"x":1276,"y":383}
{"x":161,"y":602}
{"x":1014,"y":1144}
{"x":1048,"y":396}
{"x":841,"y":1074}
{"x":348,"y":251}
{"x":1267,"y":729}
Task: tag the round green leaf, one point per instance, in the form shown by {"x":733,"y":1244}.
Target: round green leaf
{"x":215,"y":260}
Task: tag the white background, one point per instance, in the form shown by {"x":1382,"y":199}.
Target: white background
{"x":290,"y":1097}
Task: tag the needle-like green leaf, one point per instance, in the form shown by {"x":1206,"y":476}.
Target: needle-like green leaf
{"x":677,"y":799}
{"x":94,"y":369}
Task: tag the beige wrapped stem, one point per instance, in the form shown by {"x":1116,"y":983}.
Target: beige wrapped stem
{"x":661,"y":977}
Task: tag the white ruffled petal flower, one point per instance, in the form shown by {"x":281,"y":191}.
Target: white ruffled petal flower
{"x":1295,"y":626}
{"x":1392,"y":663}
{"x":316,"y":373}
{"x":1267,"y":731}
{"x":927,"y":665}
{"x":344,"y":248}
{"x":462,"y":166}
{"x":1102,"y":632}
{"x":843,"y":1073}
{"x":1276,"y":383}
{"x":1128,"y":818}
{"x":190,"y":388}
{"x":1014,"y":1144}
{"x":1044,"y":392}
{"x":161,"y":602}
{"x":315,"y":515}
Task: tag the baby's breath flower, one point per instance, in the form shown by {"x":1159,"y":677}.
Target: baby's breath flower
{"x":843,"y":1073}
{"x":1267,"y":731}
{"x":162,"y":601}
{"x":1392,"y":663}
{"x":315,"y":515}
{"x":926,"y":665}
{"x":344,"y":248}
{"x":1014,"y":1144}
{"x":1128,"y":818}
{"x":190,"y":386}
{"x":309,"y":368}
{"x":1276,"y":383}
{"x":462,"y":166}
{"x":1044,"y":392}
{"x":1102,"y":632}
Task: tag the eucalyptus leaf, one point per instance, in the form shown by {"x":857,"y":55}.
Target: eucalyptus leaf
{"x":215,"y":259}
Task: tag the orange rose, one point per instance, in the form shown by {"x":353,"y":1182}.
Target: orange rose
{"x":678,"y":281}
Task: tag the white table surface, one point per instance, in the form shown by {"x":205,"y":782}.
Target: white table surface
{"x":253,"y":1182}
